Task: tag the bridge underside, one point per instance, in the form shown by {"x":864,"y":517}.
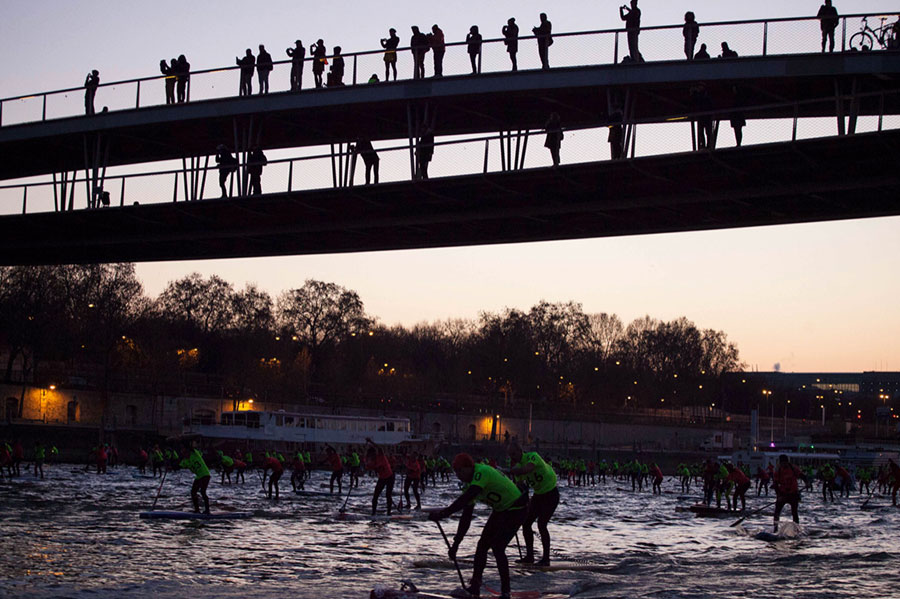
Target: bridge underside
{"x":458,"y":105}
{"x":813,"y":180}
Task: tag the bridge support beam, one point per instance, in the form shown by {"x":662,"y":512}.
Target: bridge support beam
{"x":64,"y":191}
{"x":510,"y":159}
{"x":247,"y":134}
{"x":96,"y":157}
{"x":419,"y":117}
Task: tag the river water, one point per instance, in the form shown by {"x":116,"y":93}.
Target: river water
{"x":77,"y":534}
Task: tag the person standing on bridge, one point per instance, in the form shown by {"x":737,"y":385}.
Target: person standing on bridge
{"x":632,"y":18}
{"x":263,"y":68}
{"x":424,"y":152}
{"x":390,"y":44}
{"x":473,"y":45}
{"x":296,"y":54}
{"x":91,"y":83}
{"x":691,"y":31}
{"x":183,"y":76}
{"x":318,"y":52}
{"x":438,"y":47}
{"x":554,"y":137}
{"x":227,"y":165}
{"x":418,"y":44}
{"x":543,"y":33}
{"x":510,"y":33}
{"x":246,"y":63}
{"x":727,"y":52}
{"x":255,"y":163}
{"x":364,"y":149}
{"x":169,"y":71}
{"x":828,"y":21}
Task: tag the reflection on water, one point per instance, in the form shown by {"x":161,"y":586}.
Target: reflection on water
{"x":79,"y":535}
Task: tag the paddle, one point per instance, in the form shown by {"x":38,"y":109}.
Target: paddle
{"x":159,"y":490}
{"x":455,"y":563}
{"x":863,"y":506}
{"x":344,"y":507}
{"x":517,"y":544}
{"x":754,"y":512}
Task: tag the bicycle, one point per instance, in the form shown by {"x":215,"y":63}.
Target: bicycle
{"x":864,"y":40}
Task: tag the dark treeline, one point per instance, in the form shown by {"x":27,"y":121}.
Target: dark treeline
{"x":318,"y":341}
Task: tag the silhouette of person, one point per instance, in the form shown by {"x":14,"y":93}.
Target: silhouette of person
{"x":543,"y":33}
{"x":510,"y":33}
{"x":738,"y":121}
{"x":701,"y":102}
{"x":263,"y":68}
{"x":554,"y":137}
{"x":364,"y":149}
{"x":438,"y":46}
{"x":616,"y":137}
{"x":828,"y":21}
{"x":318,"y":52}
{"x":336,"y":73}
{"x":702,"y":54}
{"x":632,"y":18}
{"x":473,"y":45}
{"x":690,"y":31}
{"x":390,"y":44}
{"x":183,"y":75}
{"x":247,"y":63}
{"x":91,"y":83}
{"x":255,"y":163}
{"x":418,"y":43}
{"x":727,"y":52}
{"x":425,"y":152}
{"x":227,"y":165}
{"x":296,"y":54}
{"x":169,"y":71}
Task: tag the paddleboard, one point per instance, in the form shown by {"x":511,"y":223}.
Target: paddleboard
{"x":168,"y":515}
{"x":395,"y":594}
{"x":556,"y":566}
{"x":305,"y":493}
{"x":703,"y":511}
{"x":355,"y":517}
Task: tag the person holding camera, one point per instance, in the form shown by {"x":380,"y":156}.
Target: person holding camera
{"x":296,"y":54}
{"x":390,"y":44}
{"x":632,"y":18}
{"x":510,"y":33}
{"x":91,"y":83}
{"x":319,"y":53}
{"x":544,"y":40}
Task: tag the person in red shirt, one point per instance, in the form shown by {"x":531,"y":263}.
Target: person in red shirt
{"x":337,"y":468}
{"x":657,"y":479}
{"x":143,"y":459}
{"x":787,"y":492}
{"x":274,"y":464}
{"x":895,"y":483}
{"x":762,"y":480}
{"x":846,"y":481}
{"x":413,"y":476}
{"x":18,"y":454}
{"x":377,"y":461}
{"x":741,"y":484}
{"x":101,"y":459}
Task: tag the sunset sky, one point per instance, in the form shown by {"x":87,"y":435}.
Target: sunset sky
{"x":815,"y":297}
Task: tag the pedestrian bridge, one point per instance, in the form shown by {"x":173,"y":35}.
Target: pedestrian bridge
{"x":154,"y":160}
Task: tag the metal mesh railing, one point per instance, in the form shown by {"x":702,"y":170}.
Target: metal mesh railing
{"x":747,"y":38}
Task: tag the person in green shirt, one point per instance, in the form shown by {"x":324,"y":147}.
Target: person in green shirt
{"x":39,"y":455}
{"x":353,"y":462}
{"x":531,"y":469}
{"x":194,"y":462}
{"x":227,"y":464}
{"x":507,"y":502}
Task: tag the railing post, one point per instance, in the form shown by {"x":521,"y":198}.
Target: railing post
{"x":44,"y":112}
{"x":137,"y":102}
{"x":1,"y":114}
{"x":290,"y":175}
{"x":616,"y":49}
{"x":354,"y":68}
{"x":122,"y":195}
{"x":24,"y":199}
{"x":844,"y":36}
{"x":486,"y":144}
{"x":765,"y":37}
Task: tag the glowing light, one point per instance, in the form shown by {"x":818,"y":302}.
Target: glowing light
{"x":52,"y":387}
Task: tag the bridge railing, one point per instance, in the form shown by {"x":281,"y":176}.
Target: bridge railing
{"x":315,"y":169}
{"x":582,"y":48}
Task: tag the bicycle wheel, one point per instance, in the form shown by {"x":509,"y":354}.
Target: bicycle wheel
{"x":862,"y":41}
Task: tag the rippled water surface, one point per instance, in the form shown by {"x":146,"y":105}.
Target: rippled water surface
{"x":79,"y":535}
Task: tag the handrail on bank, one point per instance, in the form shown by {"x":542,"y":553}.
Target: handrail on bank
{"x":355,"y":56}
{"x":345,"y":173}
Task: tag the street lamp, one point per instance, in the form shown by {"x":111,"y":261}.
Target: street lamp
{"x":768,"y":395}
